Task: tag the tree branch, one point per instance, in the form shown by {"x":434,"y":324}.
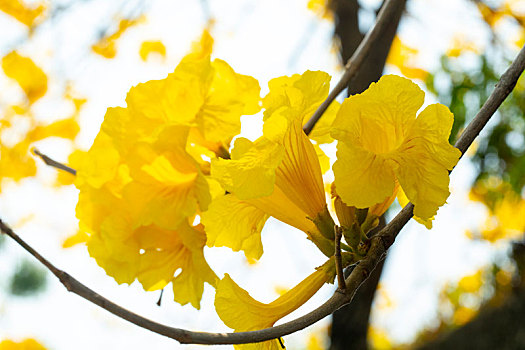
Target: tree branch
{"x":379,"y":245}
{"x":354,"y":63}
{"x":51,"y":162}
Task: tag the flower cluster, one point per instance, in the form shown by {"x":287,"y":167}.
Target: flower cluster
{"x":160,"y":181}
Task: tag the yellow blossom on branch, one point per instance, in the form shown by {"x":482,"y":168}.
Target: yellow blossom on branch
{"x":381,"y":141}
{"x":239,"y":311}
{"x":145,"y":179}
{"x":278,"y":175}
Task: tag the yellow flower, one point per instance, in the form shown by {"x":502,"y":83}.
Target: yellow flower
{"x":402,"y":56}
{"x":506,"y":219}
{"x":242,"y":233}
{"x":277,"y":178}
{"x":297,"y":97}
{"x":166,"y":251}
{"x":459,"y":45}
{"x":381,"y":141}
{"x":144,"y":179}
{"x":167,"y":185}
{"x":207,"y":96}
{"x":21,"y":12}
{"x":16,"y":162}
{"x":27,"y":74}
{"x":278,"y":175}
{"x":149,"y":253}
{"x":239,"y":311}
{"x":152,"y":46}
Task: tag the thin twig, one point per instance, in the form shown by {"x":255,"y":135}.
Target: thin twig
{"x":160,"y":297}
{"x":51,"y":162}
{"x":354,"y":63}
{"x":379,"y":245}
{"x":341,"y":285}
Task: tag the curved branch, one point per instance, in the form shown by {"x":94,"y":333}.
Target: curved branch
{"x":354,"y":63}
{"x":379,"y":245}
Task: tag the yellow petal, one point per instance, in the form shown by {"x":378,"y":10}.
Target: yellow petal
{"x":299,"y":174}
{"x":229,"y":97}
{"x":403,"y":201}
{"x":77,"y":238}
{"x":321,"y":131}
{"x":114,"y":248}
{"x":324,"y":160}
{"x":301,"y":93}
{"x":362,"y":179}
{"x":66,"y":128}
{"x":253,"y":174}
{"x":16,"y":162}
{"x":174,"y":100}
{"x":425,"y":159}
{"x":167,"y":251}
{"x":235,"y":224}
{"x":402,"y":56}
{"x":168,"y":186}
{"x":100,"y":164}
{"x":379,"y":118}
{"x":26,"y":73}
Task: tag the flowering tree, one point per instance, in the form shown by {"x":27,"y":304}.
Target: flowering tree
{"x":168,"y":175}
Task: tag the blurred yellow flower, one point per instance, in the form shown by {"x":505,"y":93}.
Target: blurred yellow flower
{"x":152,"y":46}
{"x":460,"y":45}
{"x":321,"y":8}
{"x":23,"y":13}
{"x":402,"y":56}
{"x":106,"y":46}
{"x":26,"y":73}
{"x":381,"y":141}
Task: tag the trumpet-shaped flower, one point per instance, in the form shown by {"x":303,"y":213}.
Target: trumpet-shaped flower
{"x":279,"y":174}
{"x":381,"y":141}
{"x":239,"y":311}
{"x":280,"y":177}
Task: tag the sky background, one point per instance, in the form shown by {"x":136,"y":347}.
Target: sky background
{"x":264,"y":39}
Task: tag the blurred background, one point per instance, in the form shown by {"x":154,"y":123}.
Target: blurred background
{"x":65,"y":62}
